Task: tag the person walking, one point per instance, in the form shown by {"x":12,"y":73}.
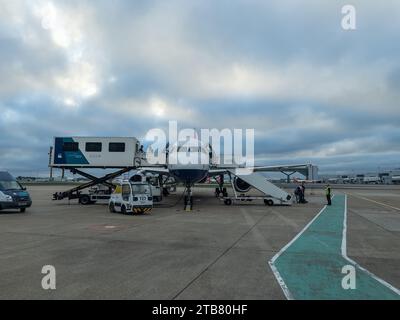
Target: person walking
{"x":328,"y":194}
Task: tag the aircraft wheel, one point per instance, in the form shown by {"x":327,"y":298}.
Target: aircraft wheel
{"x":188,"y":202}
{"x":22,"y":210}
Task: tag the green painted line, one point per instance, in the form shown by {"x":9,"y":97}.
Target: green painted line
{"x":310,"y":266}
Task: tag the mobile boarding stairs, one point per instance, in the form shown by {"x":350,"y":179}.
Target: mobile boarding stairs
{"x":272,"y":194}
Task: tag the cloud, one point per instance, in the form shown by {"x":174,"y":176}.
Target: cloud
{"x":309,"y":89}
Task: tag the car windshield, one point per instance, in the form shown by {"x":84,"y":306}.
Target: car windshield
{"x":9,"y":185}
{"x":140,"y":189}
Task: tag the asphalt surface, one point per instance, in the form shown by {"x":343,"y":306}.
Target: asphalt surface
{"x":213,"y":252}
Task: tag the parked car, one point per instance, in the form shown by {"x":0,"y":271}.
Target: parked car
{"x":12,"y":194}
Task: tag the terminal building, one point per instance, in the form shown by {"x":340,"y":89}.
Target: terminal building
{"x":388,"y":177}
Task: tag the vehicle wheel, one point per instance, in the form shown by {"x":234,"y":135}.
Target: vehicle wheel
{"x":22,"y":210}
{"x":111,"y":207}
{"x":228,"y":202}
{"x":268,"y":202}
{"x":84,"y":199}
{"x":123,"y":209}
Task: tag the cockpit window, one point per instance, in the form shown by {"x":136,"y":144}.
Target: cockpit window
{"x":189,"y":149}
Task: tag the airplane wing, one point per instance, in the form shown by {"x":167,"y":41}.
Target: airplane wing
{"x":280,"y":168}
{"x":217,"y":172}
{"x":155,"y":170}
{"x":290,"y":167}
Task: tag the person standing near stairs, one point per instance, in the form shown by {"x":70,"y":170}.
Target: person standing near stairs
{"x":328,"y":194}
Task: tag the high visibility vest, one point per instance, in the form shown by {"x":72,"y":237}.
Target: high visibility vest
{"x":328,"y":191}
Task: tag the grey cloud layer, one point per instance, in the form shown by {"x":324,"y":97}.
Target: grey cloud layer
{"x":311,"y":90}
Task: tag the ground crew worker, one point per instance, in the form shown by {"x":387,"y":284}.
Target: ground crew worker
{"x":328,"y":194}
{"x":297,"y":193}
{"x":303,"y":193}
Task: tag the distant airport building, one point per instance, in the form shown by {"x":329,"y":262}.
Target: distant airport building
{"x":388,"y":177}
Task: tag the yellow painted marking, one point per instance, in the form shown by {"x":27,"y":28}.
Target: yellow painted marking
{"x":377,"y":202}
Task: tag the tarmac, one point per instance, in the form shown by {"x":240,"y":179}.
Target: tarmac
{"x":213,"y":252}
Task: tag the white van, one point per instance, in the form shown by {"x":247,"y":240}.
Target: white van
{"x":131,"y":197}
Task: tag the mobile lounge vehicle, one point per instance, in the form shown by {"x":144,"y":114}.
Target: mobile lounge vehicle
{"x":131,"y":197}
{"x":12,"y":194}
{"x":94,"y":152}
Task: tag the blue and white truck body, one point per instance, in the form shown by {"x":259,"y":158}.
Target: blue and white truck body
{"x":94,"y":152}
{"x":12,"y":194}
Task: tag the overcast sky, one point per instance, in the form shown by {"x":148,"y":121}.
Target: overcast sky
{"x":311,"y":90}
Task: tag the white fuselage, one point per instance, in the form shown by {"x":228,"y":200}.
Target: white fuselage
{"x":189,"y":164}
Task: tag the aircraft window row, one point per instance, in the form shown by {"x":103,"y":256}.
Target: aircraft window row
{"x":190,"y":149}
{"x":94,"y":146}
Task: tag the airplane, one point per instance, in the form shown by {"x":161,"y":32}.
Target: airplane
{"x":189,"y":174}
{"x":126,"y":154}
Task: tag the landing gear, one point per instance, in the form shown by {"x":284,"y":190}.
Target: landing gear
{"x":188,"y":204}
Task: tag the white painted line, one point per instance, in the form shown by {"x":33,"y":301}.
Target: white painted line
{"x":282,"y":283}
{"x":344,"y":254}
{"x":344,"y":232}
{"x":271,"y":263}
{"x":297,"y":236}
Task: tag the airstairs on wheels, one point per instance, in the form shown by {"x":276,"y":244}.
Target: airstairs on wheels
{"x":273,"y":194}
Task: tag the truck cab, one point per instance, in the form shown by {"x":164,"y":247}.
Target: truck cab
{"x":131,"y":197}
{"x":12,"y":194}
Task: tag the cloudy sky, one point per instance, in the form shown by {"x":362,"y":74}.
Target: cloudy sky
{"x":311,"y":90}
